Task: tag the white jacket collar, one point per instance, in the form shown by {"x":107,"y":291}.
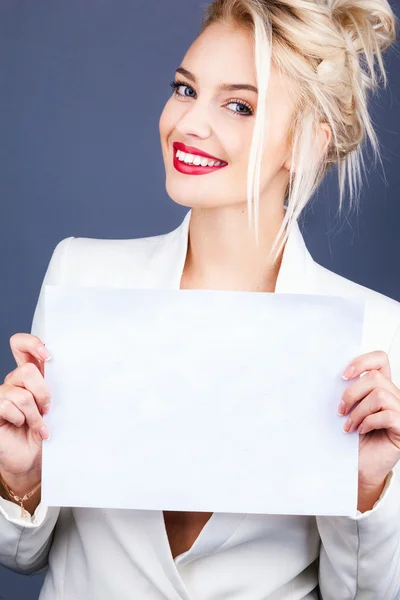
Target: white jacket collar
{"x":296,"y":274}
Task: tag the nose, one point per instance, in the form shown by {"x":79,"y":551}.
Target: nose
{"x":195,"y":121}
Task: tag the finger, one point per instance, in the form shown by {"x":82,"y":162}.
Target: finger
{"x":10,"y":413}
{"x":27,"y":348}
{"x":29,"y":377}
{"x":378,"y":400}
{"x":385,"y":419}
{"x":358,"y":390}
{"x":25,"y":402}
{"x":377,"y":360}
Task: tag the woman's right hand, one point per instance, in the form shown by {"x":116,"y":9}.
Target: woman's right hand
{"x":24,"y":398}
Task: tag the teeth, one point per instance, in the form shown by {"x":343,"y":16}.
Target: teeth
{"x":194,"y":159}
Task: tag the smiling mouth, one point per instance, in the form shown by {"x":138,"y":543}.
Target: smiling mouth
{"x":197,"y":160}
{"x":194,"y":161}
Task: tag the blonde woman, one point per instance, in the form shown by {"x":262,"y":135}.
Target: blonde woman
{"x":269,"y":96}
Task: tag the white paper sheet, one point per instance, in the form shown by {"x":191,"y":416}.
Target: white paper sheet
{"x":199,"y":400}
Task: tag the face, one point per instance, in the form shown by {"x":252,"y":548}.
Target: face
{"x":204,"y":116}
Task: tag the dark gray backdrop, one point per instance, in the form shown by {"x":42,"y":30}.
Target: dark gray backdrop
{"x":83,"y":83}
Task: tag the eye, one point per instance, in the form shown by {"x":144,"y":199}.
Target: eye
{"x":177,"y":85}
{"x":180,"y":90}
{"x":243,"y":108}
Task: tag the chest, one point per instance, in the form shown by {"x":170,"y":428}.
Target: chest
{"x":183,"y":528}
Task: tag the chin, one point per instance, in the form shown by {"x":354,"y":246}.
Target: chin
{"x":192,"y":203}
{"x":197,"y":195}
{"x":195,"y":202}
{"x":180,"y":201}
{"x":189,"y":196}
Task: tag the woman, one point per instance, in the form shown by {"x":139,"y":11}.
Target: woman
{"x":312,"y":95}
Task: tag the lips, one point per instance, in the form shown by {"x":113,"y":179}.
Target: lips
{"x":193,"y":150}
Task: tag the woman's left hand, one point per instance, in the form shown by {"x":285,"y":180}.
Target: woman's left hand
{"x":376,"y":416}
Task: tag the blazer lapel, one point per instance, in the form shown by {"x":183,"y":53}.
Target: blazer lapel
{"x":296,"y":274}
{"x":168,"y":260}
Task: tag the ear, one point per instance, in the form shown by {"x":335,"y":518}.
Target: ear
{"x":325,"y":135}
{"x":324,"y":138}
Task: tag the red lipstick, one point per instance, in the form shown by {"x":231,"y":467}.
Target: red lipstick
{"x":190,"y":169}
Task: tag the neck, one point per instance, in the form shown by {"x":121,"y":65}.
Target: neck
{"x":222,"y":251}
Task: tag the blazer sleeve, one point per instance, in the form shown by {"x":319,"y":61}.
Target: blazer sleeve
{"x":360,"y":557}
{"x":25,"y":542}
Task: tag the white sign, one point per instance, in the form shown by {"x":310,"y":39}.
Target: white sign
{"x":199,"y":400}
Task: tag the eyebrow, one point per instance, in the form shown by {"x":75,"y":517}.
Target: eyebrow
{"x":224,"y":87}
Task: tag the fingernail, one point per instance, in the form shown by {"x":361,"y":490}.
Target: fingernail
{"x":46,"y":408}
{"x":342,"y":408}
{"x":44,"y":433}
{"x":347,"y":425}
{"x":349,"y":372}
{"x":44,"y":353}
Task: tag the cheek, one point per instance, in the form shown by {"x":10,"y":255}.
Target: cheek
{"x":167,"y":121}
{"x":275,"y":153}
{"x":236,"y":142}
{"x":276,"y":149}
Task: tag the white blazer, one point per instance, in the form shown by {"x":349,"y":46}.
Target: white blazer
{"x":96,"y":554}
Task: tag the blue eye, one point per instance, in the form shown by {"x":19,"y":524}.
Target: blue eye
{"x":245,"y":109}
{"x":178,"y":84}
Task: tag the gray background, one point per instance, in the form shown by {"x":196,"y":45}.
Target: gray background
{"x":83,"y":84}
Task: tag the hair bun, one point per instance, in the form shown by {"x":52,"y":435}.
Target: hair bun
{"x":369,"y":24}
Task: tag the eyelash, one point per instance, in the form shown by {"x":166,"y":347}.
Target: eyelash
{"x":176,"y":84}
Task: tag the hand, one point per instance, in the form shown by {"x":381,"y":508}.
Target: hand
{"x":24,"y":398}
{"x":375,"y":404}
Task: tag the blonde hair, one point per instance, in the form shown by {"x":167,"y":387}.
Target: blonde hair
{"x":332,"y":51}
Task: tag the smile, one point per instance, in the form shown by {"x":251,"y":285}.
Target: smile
{"x":191,"y":161}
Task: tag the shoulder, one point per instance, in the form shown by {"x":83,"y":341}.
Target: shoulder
{"x":382,"y":314}
{"x":328,"y":282}
{"x":96,"y":261}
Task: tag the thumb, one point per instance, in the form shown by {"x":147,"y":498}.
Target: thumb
{"x":27,"y":348}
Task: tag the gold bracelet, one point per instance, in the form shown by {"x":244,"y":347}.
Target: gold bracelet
{"x":17,"y":499}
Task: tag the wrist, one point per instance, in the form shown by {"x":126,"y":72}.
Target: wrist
{"x":369,"y":494}
{"x":21,"y":483}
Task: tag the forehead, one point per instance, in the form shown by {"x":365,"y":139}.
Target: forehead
{"x":222,"y":49}
{"x":224,"y":53}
